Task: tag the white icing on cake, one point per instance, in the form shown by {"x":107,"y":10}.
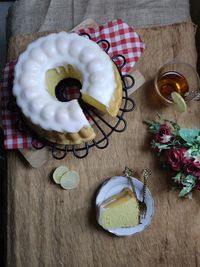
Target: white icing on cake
{"x":52,"y":51}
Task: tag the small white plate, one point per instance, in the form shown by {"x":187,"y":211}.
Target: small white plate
{"x":115,"y":185}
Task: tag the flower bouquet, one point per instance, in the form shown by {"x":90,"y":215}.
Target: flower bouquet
{"x":179,"y":151}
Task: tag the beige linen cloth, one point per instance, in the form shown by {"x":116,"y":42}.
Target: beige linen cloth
{"x":27,"y":16}
{"x":46,"y":228}
{"x":49,"y":227}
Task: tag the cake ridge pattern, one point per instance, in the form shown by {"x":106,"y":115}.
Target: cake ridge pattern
{"x":54,"y":50}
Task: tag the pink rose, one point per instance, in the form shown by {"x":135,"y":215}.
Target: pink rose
{"x":174,"y":158}
{"x":186,"y":160}
{"x":193,"y":167}
{"x":164,"y":135}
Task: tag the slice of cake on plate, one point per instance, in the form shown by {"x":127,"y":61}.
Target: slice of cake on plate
{"x":120,"y":210}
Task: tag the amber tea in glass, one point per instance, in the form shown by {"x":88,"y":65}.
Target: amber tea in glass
{"x":175,"y":77}
{"x":172,"y":81}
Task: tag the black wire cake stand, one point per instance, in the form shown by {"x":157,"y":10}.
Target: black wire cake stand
{"x":102,"y":125}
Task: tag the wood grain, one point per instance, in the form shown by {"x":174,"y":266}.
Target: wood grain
{"x":48,"y":226}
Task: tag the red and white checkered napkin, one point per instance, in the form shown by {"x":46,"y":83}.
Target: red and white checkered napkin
{"x":123,"y":41}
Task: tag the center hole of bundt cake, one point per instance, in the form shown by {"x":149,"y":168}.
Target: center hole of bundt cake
{"x":68,"y":89}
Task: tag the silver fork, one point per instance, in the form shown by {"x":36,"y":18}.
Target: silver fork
{"x":128,"y":173}
{"x":143,"y":207}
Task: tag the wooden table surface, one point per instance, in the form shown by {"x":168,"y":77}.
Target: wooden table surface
{"x":48,"y":226}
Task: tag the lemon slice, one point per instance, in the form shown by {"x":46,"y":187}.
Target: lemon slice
{"x":70,"y":180}
{"x":179,"y":103}
{"x":58,"y":173}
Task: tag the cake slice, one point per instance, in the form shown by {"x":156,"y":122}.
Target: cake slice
{"x":121,"y":210}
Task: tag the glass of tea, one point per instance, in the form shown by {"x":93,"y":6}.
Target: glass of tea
{"x":177,"y":77}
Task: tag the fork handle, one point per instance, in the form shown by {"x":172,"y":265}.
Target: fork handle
{"x":128,"y":173}
{"x":144,"y":188}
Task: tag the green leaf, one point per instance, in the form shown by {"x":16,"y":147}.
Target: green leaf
{"x":189,"y":135}
{"x":189,"y":180}
{"x":197,"y":157}
{"x":177,"y":177}
{"x":185,"y":191}
{"x":194,"y":152}
{"x":149,"y":122}
{"x":174,"y":125}
{"x":160,"y":146}
{"x":191,"y":152}
{"x":154,"y":126}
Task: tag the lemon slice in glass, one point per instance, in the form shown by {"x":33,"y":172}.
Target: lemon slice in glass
{"x":70,"y":180}
{"x":179,"y":103}
{"x":58,"y":173}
